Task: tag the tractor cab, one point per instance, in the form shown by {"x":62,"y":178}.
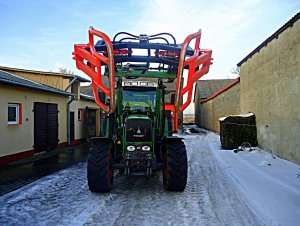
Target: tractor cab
{"x":139,"y":97}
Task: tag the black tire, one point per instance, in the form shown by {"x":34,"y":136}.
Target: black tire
{"x":175,"y":166}
{"x":99,"y":168}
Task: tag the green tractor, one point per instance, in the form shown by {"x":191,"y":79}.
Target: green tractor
{"x":131,"y":80}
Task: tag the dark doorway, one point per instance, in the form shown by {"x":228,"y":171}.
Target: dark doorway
{"x":72,"y":131}
{"x":90,"y":115}
{"x":103,"y":123}
{"x":45,"y":126}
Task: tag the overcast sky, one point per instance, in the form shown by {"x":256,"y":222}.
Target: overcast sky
{"x":40,"y":34}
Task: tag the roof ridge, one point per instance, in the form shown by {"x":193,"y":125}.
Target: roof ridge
{"x":26,"y":79}
{"x":29,"y":80}
{"x":36,"y":71}
{"x":223,"y":89}
{"x":29,"y":83}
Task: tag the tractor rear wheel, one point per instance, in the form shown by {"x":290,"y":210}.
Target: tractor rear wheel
{"x":99,"y":168}
{"x":175,"y":166}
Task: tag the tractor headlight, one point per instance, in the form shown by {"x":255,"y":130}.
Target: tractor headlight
{"x":130,"y":148}
{"x":146,"y":148}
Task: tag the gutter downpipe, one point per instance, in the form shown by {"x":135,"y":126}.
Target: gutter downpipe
{"x":69,"y":112}
{"x":71,"y":83}
{"x":69,"y":119}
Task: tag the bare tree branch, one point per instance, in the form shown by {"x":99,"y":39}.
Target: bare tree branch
{"x":64,"y":70}
{"x":235,"y":70}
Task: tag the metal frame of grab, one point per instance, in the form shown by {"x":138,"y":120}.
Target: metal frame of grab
{"x":198,"y":65}
{"x":90,"y":61}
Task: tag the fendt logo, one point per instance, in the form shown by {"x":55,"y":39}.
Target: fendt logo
{"x":139,"y":133}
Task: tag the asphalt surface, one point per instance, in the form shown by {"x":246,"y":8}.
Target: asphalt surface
{"x":20,"y":173}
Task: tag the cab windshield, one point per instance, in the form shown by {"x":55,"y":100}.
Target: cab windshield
{"x":139,"y":100}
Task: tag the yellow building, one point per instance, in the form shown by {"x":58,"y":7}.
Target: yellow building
{"x":270,"y":88}
{"x":41,"y":111}
{"x":215,"y":99}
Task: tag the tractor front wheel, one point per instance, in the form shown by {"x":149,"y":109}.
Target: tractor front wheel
{"x":99,"y":168}
{"x":175,"y":166}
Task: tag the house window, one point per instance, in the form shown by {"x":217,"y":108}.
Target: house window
{"x":14,"y":114}
{"x":79,"y":114}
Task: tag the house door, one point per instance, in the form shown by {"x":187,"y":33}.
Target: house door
{"x":45,"y":126}
{"x":72,"y":131}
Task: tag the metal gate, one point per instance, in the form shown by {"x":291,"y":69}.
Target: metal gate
{"x":45,"y":126}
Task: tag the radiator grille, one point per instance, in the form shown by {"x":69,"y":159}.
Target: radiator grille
{"x":138,"y":130}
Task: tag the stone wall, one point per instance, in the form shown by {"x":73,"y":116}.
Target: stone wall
{"x":206,"y":115}
{"x":224,"y":104}
{"x":270,"y":88}
{"x":197,"y":107}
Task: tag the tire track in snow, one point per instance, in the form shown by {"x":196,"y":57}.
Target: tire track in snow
{"x":222,"y":203}
{"x":63,"y":198}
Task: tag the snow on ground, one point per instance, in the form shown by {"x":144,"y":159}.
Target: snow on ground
{"x":223,"y":188}
{"x":240,"y":115}
{"x":268,"y":182}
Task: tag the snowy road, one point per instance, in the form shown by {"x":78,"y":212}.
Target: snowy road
{"x":211,"y":198}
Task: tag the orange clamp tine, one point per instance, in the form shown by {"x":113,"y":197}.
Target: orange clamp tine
{"x":97,"y":100}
